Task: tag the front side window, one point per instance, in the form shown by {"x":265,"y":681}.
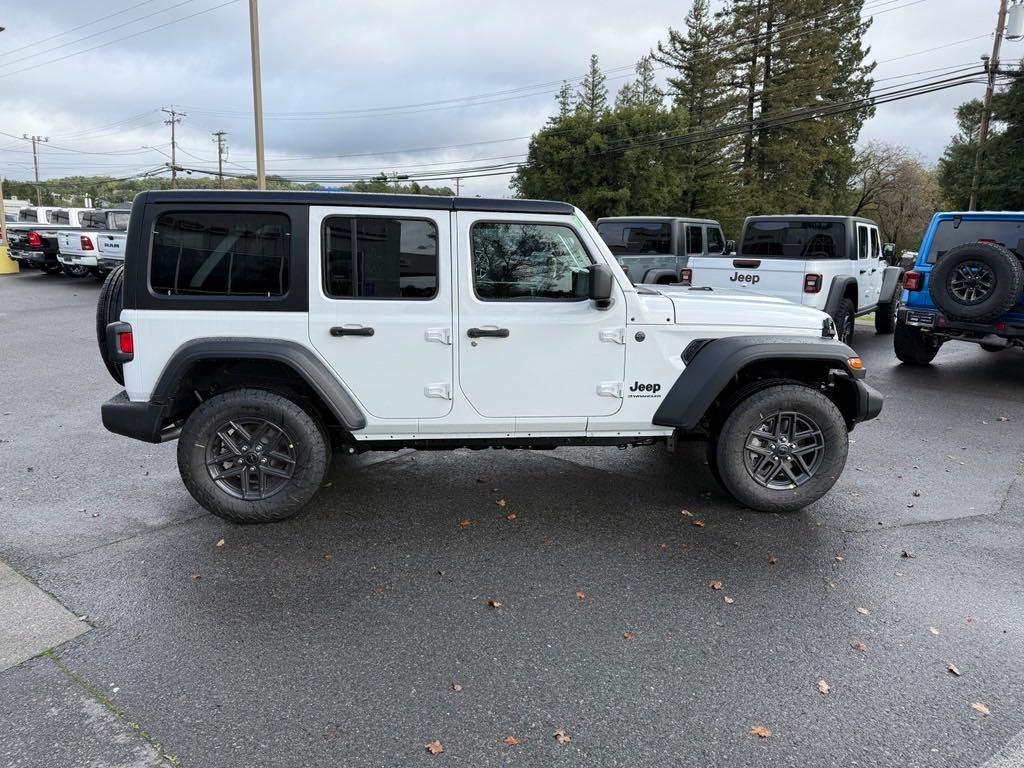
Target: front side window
{"x":380,"y":258}
{"x":221,"y":254}
{"x":876,"y":249}
{"x":694,"y":240}
{"x":716,"y":243}
{"x":528,"y":262}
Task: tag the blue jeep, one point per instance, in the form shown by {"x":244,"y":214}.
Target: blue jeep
{"x":966,"y":285}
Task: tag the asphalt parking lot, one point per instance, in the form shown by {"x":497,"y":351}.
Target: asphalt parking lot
{"x":361,"y":630}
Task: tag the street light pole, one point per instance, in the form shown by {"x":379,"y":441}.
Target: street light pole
{"x":986,"y":108}
{"x":257,"y":94}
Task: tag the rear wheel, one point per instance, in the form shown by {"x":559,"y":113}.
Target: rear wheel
{"x":51,"y":269}
{"x":992,"y":347}
{"x":913,"y":346}
{"x":844,"y":319}
{"x":75,"y":270}
{"x":782,"y":448}
{"x":885,"y":314}
{"x":252,"y":456}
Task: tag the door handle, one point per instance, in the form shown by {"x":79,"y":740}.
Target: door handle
{"x":491,"y":333}
{"x":340,"y":330}
{"x":863,"y":271}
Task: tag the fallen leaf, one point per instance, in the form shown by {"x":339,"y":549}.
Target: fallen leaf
{"x":434,"y":747}
{"x":501,"y":502}
{"x":494,"y":604}
{"x":220,"y":543}
{"x":663,"y":546}
{"x":511,"y":516}
{"x":456,"y":687}
{"x":328,"y":556}
{"x":627,"y":635}
{"x":772,"y":560}
{"x":839,"y":558}
{"x":823,"y":687}
{"x":580,"y":595}
{"x":728,"y":600}
{"x":952,"y":668}
{"x":465,"y":523}
{"x":715,"y":584}
{"x":864,"y":611}
{"x":933,"y":630}
{"x":196,"y":577}
{"x":511,"y":741}
{"x":978,"y":706}
{"x":760,"y":731}
{"x":859,"y":647}
{"x":686,"y":513}
{"x":1003,"y":418}
{"x":562,"y":737}
{"x":697,"y":523}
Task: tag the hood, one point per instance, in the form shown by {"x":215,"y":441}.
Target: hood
{"x":740,"y":308}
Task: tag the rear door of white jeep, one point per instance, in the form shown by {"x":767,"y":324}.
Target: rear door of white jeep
{"x":380,"y":306}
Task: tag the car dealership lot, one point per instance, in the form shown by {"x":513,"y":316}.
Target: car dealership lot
{"x":337,"y":638}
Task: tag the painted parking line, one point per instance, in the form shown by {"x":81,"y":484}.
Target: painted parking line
{"x":30,"y":620}
{"x":1010,"y":756}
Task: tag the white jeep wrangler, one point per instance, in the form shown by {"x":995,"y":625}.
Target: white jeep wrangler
{"x":833,"y":263}
{"x":265,"y":330}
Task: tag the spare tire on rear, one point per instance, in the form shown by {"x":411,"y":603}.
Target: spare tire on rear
{"x":108,"y":310}
{"x":976,"y":281}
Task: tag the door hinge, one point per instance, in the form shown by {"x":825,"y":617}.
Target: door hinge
{"x":440,"y":391}
{"x":614,"y":335}
{"x":609,"y":389}
{"x":442,"y":335}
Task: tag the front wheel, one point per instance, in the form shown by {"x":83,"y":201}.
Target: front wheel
{"x":782,"y":448}
{"x":252,"y":456}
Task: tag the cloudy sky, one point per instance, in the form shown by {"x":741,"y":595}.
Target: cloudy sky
{"x":353,"y":87}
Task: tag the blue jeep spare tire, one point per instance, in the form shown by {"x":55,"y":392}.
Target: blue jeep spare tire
{"x":976,"y":282}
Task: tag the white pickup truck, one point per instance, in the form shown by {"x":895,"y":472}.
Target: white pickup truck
{"x":98,"y":246}
{"x":833,"y":263}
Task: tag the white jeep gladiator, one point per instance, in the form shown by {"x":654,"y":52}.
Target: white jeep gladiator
{"x":833,"y":263}
{"x":264,"y":330}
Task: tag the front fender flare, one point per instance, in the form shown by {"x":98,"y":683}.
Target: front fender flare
{"x":713,"y":367}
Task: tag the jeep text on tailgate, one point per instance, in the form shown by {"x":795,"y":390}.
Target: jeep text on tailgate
{"x":266,"y":330}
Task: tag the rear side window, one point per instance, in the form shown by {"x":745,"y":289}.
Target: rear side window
{"x":28,"y":214}
{"x":58,"y":217}
{"x":694,"y":239}
{"x":794,"y":239}
{"x":523,"y":262}
{"x":93,"y":220}
{"x":953,"y":232}
{"x":221,"y":254}
{"x":380,"y":258}
{"x":635,"y":238}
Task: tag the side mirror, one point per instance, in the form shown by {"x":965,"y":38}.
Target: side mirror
{"x":889,"y":252}
{"x":600,"y":286}
{"x":730,"y":246}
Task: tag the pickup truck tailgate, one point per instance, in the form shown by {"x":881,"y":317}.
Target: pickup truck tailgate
{"x":783,"y":278}
{"x":111,"y":244}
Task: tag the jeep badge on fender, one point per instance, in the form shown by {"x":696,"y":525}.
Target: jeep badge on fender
{"x":360,"y":322}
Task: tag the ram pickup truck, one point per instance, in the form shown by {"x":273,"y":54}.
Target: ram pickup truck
{"x":655,"y":249}
{"x":101,"y":237}
{"x":833,"y":263}
{"x":35,"y":246}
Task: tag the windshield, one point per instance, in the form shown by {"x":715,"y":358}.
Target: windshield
{"x":954,"y":232}
{"x":794,"y":239}
{"x":635,"y":238}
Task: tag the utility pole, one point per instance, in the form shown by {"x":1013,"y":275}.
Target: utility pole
{"x":221,"y":147}
{"x":986,"y":109}
{"x":35,"y":160}
{"x":173,"y":120}
{"x":257,"y":94}
{"x":458,"y":185}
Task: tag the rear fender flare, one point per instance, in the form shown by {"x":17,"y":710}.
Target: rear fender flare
{"x":652,"y":276}
{"x":837,"y":292}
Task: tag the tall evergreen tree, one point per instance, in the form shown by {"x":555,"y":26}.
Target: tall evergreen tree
{"x":566,"y":99}
{"x":592,"y":97}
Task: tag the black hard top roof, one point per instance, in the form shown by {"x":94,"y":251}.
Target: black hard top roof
{"x":369,"y":200}
{"x":808,"y":217}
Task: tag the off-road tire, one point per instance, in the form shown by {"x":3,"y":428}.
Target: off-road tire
{"x":1003,"y":273}
{"x":751,"y":414}
{"x":992,"y":347}
{"x":108,"y":310}
{"x":51,"y":269}
{"x":845,"y":320}
{"x":308,"y":440}
{"x":913,"y":346}
{"x":75,"y":270}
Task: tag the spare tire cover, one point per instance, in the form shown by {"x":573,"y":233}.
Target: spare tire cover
{"x":976,"y":281}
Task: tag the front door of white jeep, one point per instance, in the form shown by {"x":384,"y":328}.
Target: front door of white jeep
{"x":531,"y":345}
{"x":380,"y":306}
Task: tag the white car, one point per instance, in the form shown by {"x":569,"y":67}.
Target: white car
{"x":833,"y":263}
{"x":264,"y":330}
